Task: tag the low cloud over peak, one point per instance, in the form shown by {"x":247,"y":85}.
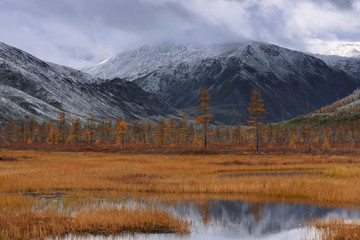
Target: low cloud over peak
{"x":87,"y":31}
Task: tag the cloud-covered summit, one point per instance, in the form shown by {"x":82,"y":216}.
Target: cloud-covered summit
{"x":88,"y":31}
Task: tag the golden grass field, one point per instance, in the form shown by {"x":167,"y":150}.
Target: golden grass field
{"x":315,"y":179}
{"x":318,"y":179}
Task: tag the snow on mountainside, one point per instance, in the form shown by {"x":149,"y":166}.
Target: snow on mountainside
{"x":25,"y":63}
{"x":349,"y":65}
{"x":32,"y":87}
{"x":135,"y":64}
{"x":346,"y":57}
{"x":346,"y":50}
{"x":286,"y":78}
{"x":16,"y":104}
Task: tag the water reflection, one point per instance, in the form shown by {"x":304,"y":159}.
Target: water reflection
{"x":243,"y":220}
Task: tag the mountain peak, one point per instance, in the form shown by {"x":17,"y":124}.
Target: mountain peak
{"x":140,"y":62}
{"x":346,"y":50}
{"x":177,"y":72}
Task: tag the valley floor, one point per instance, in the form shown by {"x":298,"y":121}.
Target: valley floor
{"x":29,"y":176}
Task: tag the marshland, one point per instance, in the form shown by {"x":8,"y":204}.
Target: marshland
{"x":60,"y":194}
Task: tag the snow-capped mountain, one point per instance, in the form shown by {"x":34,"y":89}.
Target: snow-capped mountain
{"x":291,"y":82}
{"x":131,"y":65}
{"x":346,"y":50}
{"x":346,"y":57}
{"x":31,"y":87}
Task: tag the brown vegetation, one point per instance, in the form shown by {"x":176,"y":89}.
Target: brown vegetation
{"x":42,"y":225}
{"x":318,"y":179}
{"x":336,"y":230}
{"x":79,"y":180}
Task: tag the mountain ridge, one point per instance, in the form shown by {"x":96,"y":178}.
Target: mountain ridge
{"x":288,"y":79}
{"x":40,"y":85}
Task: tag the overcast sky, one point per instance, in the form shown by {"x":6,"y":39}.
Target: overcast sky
{"x":76,"y":32}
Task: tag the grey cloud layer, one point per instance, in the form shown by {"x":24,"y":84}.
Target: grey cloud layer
{"x":82,"y":31}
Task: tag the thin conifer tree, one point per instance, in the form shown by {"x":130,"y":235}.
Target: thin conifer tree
{"x":62,"y":124}
{"x":122,"y":130}
{"x":204,"y":119}
{"x":257,"y":113}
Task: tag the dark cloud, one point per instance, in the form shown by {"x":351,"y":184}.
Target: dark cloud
{"x":82,"y":31}
{"x":269,"y":26}
{"x":339,"y":4}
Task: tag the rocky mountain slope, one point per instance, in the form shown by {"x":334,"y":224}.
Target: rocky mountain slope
{"x":291,"y":82}
{"x":31,"y":87}
{"x":350,"y":65}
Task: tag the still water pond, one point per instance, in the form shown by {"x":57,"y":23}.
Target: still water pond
{"x":243,"y":220}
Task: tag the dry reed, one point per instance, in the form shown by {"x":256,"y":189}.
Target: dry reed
{"x":336,"y":230}
{"x":305,"y":177}
{"x":42,"y":225}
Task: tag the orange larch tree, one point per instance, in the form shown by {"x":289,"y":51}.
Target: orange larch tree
{"x":183,"y":131}
{"x":204,"y":119}
{"x":257,"y":113}
{"x":121,"y":131}
{"x":54,"y":134}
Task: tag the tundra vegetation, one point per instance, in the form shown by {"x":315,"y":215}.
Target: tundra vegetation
{"x":78,"y":164}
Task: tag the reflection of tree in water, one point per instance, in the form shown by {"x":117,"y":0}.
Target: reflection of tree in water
{"x":257,"y":211}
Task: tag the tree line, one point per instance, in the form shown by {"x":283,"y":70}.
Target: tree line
{"x":199,"y":133}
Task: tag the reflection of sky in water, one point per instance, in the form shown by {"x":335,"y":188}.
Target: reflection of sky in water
{"x":242,"y":220}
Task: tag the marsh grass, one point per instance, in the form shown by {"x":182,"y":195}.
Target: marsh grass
{"x":342,"y":172}
{"x":336,"y":230}
{"x":42,"y":225}
{"x":46,"y":194}
{"x":331,"y":179}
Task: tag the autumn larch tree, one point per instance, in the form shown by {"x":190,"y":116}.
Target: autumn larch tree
{"x":62,"y":120}
{"x":76,"y":131}
{"x":91,"y":126}
{"x":159,"y":131}
{"x":183,"y":130}
{"x":171,"y":130}
{"x":292,"y":144}
{"x":257,"y":113}
{"x":147,"y":132}
{"x":204,"y":119}
{"x":121,"y":130}
{"x":54,"y":134}
{"x":32,"y":127}
{"x":237,"y":133}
